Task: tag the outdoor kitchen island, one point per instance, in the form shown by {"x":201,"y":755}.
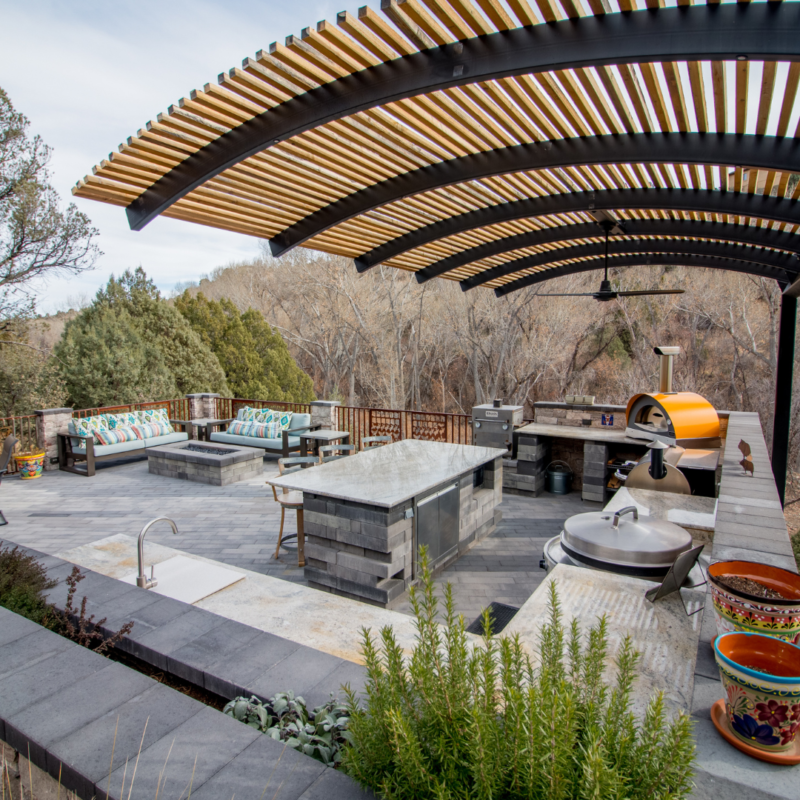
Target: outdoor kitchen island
{"x":365,"y":516}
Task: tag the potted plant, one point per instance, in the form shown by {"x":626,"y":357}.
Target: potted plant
{"x":761,"y":677}
{"x":756,"y":598}
{"x":29,"y":457}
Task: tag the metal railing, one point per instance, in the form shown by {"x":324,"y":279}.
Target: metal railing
{"x":176,"y":409}
{"x":432,"y":426}
{"x":24,"y":428}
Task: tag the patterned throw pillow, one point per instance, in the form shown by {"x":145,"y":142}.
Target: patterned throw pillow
{"x":153,"y":429}
{"x":154,"y":416}
{"x":261,"y":431}
{"x":116,"y":436}
{"x":239,"y":427}
{"x":285,"y":419}
{"x":273,"y":430}
{"x":88,"y":425}
{"x":259,"y":415}
{"x":116,"y":421}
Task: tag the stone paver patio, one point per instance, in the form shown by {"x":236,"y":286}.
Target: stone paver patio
{"x":238,"y":525}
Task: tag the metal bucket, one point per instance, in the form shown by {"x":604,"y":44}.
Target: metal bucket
{"x":558,"y":477}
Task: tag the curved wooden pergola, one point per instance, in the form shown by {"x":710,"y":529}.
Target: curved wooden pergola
{"x":473,"y":139}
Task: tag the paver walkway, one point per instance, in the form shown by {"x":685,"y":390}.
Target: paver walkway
{"x":238,"y":525}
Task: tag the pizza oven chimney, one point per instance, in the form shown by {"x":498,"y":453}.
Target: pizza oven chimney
{"x":666,"y":354}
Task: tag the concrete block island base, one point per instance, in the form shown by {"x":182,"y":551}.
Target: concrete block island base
{"x":213,"y":463}
{"x":366,"y":516}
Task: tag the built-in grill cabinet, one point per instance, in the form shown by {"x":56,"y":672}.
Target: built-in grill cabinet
{"x":437,"y":524}
{"x":493,"y":424}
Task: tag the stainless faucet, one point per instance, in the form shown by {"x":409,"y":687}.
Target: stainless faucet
{"x":141,"y":580}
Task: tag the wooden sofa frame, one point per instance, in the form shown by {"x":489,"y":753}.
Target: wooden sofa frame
{"x":284,"y":451}
{"x":68,"y":458}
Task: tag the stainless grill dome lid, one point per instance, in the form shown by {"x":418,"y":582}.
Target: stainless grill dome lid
{"x":619,"y":539}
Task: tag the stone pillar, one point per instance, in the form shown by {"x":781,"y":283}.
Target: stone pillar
{"x":202,"y":405}
{"x":324,"y":412}
{"x":595,"y":467}
{"x":49,"y":422}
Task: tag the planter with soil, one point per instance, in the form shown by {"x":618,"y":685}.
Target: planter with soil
{"x":756,"y":598}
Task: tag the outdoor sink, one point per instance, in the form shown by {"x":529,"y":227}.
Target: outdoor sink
{"x":189,"y":580}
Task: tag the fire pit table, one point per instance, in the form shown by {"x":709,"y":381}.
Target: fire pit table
{"x":213,"y":463}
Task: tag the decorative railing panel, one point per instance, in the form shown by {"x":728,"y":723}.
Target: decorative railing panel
{"x":24,"y":429}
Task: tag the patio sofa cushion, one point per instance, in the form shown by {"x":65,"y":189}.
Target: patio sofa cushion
{"x":169,"y":438}
{"x":110,"y":449}
{"x":254,"y":441}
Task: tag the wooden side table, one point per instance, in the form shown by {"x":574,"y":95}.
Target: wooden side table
{"x":322,"y":437}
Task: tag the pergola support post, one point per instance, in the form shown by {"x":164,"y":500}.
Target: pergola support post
{"x":782,"y":420}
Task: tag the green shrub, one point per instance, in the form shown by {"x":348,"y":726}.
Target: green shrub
{"x":23,"y":582}
{"x":458,"y":722}
{"x":321,"y":733}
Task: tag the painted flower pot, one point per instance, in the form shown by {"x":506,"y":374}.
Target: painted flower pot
{"x":761,"y":676}
{"x":735,"y":610}
{"x":29,"y":465}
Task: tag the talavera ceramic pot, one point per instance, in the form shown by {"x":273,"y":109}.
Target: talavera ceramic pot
{"x":761,"y":676}
{"x":738,"y":611}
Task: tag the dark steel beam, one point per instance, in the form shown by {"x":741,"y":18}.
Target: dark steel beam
{"x":788,"y":265}
{"x":644,"y":260}
{"x":740,"y":234}
{"x":700,"y":200}
{"x":793,"y":289}
{"x":782,"y":419}
{"x":759,"y":152}
{"x":715,"y":32}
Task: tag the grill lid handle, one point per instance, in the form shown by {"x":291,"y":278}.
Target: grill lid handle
{"x":626,"y":510}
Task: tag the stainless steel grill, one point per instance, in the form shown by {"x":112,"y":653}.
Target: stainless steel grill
{"x":493,"y":424}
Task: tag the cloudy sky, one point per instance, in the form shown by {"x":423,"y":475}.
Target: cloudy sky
{"x":89,"y":73}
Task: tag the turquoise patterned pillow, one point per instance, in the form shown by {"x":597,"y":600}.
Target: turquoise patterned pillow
{"x":124,"y":420}
{"x":285,"y":419}
{"x":158,"y":416}
{"x":260,"y":415}
{"x":88,"y":425}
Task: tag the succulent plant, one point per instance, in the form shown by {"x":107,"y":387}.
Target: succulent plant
{"x":321,"y":733}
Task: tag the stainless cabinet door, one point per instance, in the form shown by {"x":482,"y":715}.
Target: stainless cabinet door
{"x":448,"y":520}
{"x":428,"y":527}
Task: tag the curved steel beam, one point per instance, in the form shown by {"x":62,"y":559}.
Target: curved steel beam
{"x":785,"y":262}
{"x":714,"y":32}
{"x":760,"y":152}
{"x":700,"y":200}
{"x":648,"y":260}
{"x":719,"y":231}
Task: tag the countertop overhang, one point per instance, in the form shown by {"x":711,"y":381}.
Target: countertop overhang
{"x":389,"y":475}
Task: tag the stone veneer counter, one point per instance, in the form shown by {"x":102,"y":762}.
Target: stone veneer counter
{"x":386,"y":476}
{"x":366,"y":515}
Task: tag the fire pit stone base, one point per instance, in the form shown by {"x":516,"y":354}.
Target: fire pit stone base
{"x":217,"y":465}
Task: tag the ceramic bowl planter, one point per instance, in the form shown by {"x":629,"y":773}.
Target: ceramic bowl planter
{"x":30,"y":465}
{"x":761,"y":677}
{"x":735,"y":610}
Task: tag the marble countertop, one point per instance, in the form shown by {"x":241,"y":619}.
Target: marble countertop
{"x":583,"y":433}
{"x":662,"y":632}
{"x":682,"y":509}
{"x":389,"y":475}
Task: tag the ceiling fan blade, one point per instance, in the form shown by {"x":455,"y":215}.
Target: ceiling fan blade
{"x":645,"y":292}
{"x":570,"y":294}
{"x":598,"y":215}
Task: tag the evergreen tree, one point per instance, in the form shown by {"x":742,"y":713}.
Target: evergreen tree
{"x":131,"y":346}
{"x":256,"y":360}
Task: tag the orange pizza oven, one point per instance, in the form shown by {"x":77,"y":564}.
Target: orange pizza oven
{"x":675,"y":418}
{"x":678,"y":418}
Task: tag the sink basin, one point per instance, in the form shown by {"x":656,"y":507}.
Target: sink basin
{"x":187,"y":579}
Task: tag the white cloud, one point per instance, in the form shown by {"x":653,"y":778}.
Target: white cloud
{"x":89,"y":73}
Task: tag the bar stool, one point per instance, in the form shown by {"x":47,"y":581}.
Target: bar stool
{"x":374,"y":441}
{"x":293,"y":500}
{"x":344,"y":450}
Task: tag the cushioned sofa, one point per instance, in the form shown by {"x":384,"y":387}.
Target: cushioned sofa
{"x":250,"y":422}
{"x":114,"y":436}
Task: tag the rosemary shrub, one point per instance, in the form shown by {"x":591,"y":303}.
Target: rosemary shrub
{"x":455,"y":721}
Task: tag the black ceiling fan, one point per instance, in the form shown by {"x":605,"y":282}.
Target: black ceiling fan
{"x":610,"y":225}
